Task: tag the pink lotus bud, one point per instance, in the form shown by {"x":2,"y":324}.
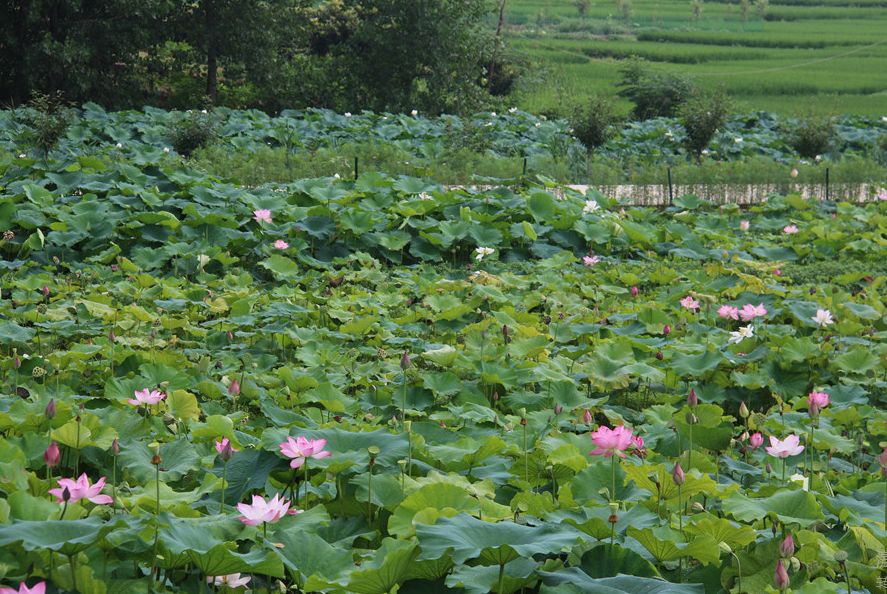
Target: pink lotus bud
{"x":678,"y":475}
{"x":52,"y":456}
{"x":744,"y":437}
{"x":634,"y":291}
{"x":659,"y":356}
{"x":230,"y":336}
{"x":780,"y":576}
{"x":112,"y":337}
{"x":234,"y":388}
{"x":666,"y":329}
{"x":787,"y":547}
{"x":768,"y":469}
{"x":115,"y":447}
{"x":505,"y":330}
{"x":50,"y":410}
{"x":692,"y":399}
{"x":45,"y":291}
{"x":405,"y":361}
{"x":586,"y":416}
{"x":17,"y":362}
{"x":777,"y":272}
{"x":756,"y":440}
{"x":558,"y":409}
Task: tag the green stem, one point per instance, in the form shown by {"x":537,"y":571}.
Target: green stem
{"x":783,"y":469}
{"x":114,"y":483}
{"x":501,"y":587}
{"x":612,"y":478}
{"x":305,"y":504}
{"x":690,"y":451}
{"x":403,"y":407}
{"x":370,"y":497}
{"x":680,"y":511}
{"x":738,"y":572}
{"x":526,"y":458}
{"x":224,"y":484}
{"x":73,"y":571}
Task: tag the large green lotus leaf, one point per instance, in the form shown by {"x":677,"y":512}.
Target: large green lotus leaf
{"x":307,"y":555}
{"x":65,"y":536}
{"x":575,"y":581}
{"x":465,"y":537}
{"x":542,"y":206}
{"x":587,"y":485}
{"x":448,"y":499}
{"x":605,"y":560}
{"x":222,"y":560}
{"x":10,"y":332}
{"x":387,"y":489}
{"x":695,"y":482}
{"x":723,"y":530}
{"x":594,"y":521}
{"x":695,"y":365}
{"x":390,"y":563}
{"x":862,"y":311}
{"x":639,"y":234}
{"x":482,"y":579}
{"x":248,"y":470}
{"x":281,"y":266}
{"x":665,"y":544}
{"x":856,"y":361}
{"x":790,"y":507}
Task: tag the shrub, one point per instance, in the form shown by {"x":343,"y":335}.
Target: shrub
{"x":811,"y":135}
{"x":654,"y":94}
{"x":701,"y":115}
{"x":593,"y":123}
{"x":194,"y":131}
{"x":47,"y":119}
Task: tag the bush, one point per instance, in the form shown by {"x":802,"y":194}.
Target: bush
{"x":47,"y":119}
{"x":593,"y":124}
{"x":196,"y":130}
{"x":654,"y":94}
{"x":701,"y":115}
{"x":811,"y":135}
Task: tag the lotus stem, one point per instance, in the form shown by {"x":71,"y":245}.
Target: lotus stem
{"x":501,"y":587}
{"x":224,"y":484}
{"x":73,"y":564}
{"x":305,"y":504}
{"x":738,"y":572}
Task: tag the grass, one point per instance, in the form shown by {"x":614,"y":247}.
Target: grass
{"x":804,"y":55}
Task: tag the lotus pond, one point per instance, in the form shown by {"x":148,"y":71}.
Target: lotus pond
{"x":381,"y":386}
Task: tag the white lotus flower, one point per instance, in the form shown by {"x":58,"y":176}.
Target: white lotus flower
{"x":512,"y":110}
{"x":347,"y":114}
{"x":741,"y":334}
{"x":203,"y":260}
{"x":537,"y":124}
{"x":414,"y":113}
{"x":591,"y":206}
{"x":424,"y":196}
{"x":737,"y":140}
{"x":119,"y":145}
{"x":481,"y":252}
{"x":22,"y":156}
{"x":823,"y":317}
{"x":166,"y":149}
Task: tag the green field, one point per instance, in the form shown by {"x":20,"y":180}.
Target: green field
{"x":825,"y":56}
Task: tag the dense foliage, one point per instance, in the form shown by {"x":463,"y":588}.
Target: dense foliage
{"x":448,"y":365}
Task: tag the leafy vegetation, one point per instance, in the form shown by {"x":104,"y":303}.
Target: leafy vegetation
{"x":381,"y":385}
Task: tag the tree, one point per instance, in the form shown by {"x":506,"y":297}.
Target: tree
{"x":701,"y":115}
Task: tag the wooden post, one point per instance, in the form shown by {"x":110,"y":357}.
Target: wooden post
{"x":670,"y":191}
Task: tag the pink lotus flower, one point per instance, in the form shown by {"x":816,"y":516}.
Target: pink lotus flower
{"x":790,"y":446}
{"x":689,"y":303}
{"x":611,"y":442}
{"x":756,"y":440}
{"x":750,"y":312}
{"x":225,"y":449}
{"x":146,"y":397}
{"x":743,"y":225}
{"x":790,"y":229}
{"x":301,"y":449}
{"x":816,"y":401}
{"x":232,"y":580}
{"x":882,"y":194}
{"x":261,"y":511}
{"x":728,"y":312}
{"x":281,"y":244}
{"x":262,"y":215}
{"x":81,"y":489}
{"x":39,"y":588}
{"x":591,"y":260}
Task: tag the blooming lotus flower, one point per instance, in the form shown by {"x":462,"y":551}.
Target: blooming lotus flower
{"x":689,"y":303}
{"x":756,"y":440}
{"x":741,"y":334}
{"x":261,"y":511}
{"x":81,"y":489}
{"x":481,"y":252}
{"x":816,"y":401}
{"x":232,"y":580}
{"x":591,"y":206}
{"x":750,"y":312}
{"x":347,"y":114}
{"x":729,"y":311}
{"x":790,"y":446}
{"x":301,"y":449}
{"x":262,"y":215}
{"x":611,"y":442}
{"x":591,"y":260}
{"x":281,"y":244}
{"x":790,"y":229}
{"x":823,"y":318}
{"x":414,"y":113}
{"x":146,"y":397}
{"x":38,"y":588}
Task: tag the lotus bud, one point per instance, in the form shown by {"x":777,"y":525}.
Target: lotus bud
{"x":230,"y":336}
{"x":743,"y":410}
{"x":659,"y":355}
{"x":780,"y":576}
{"x":112,"y":337}
{"x":156,"y":460}
{"x":787,"y":547}
{"x":756,"y":440}
{"x":725,"y":548}
{"x":66,"y":495}
{"x":115,"y":447}
{"x":744,"y":437}
{"x":678,"y":475}
{"x":697,"y":507}
{"x":692,"y":399}
{"x":45,"y":291}
{"x":16,"y":362}
{"x":405,"y":361}
{"x":496,"y":396}
{"x":666,"y":330}
{"x":505,"y":333}
{"x":50,"y":410}
{"x":588,"y":418}
{"x":768,"y":469}
{"x":795,"y":563}
{"x":227,"y":452}
{"x":634,"y":291}
{"x":558,"y":409}
{"x":408,"y":426}
{"x":234,"y":388}
{"x":52,"y":456}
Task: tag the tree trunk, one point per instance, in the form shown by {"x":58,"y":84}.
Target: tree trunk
{"x":211,"y":51}
{"x":491,"y":70}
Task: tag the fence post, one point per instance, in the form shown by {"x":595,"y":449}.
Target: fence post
{"x":670,"y":193}
{"x":826,"y":185}
{"x":355,"y":168}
